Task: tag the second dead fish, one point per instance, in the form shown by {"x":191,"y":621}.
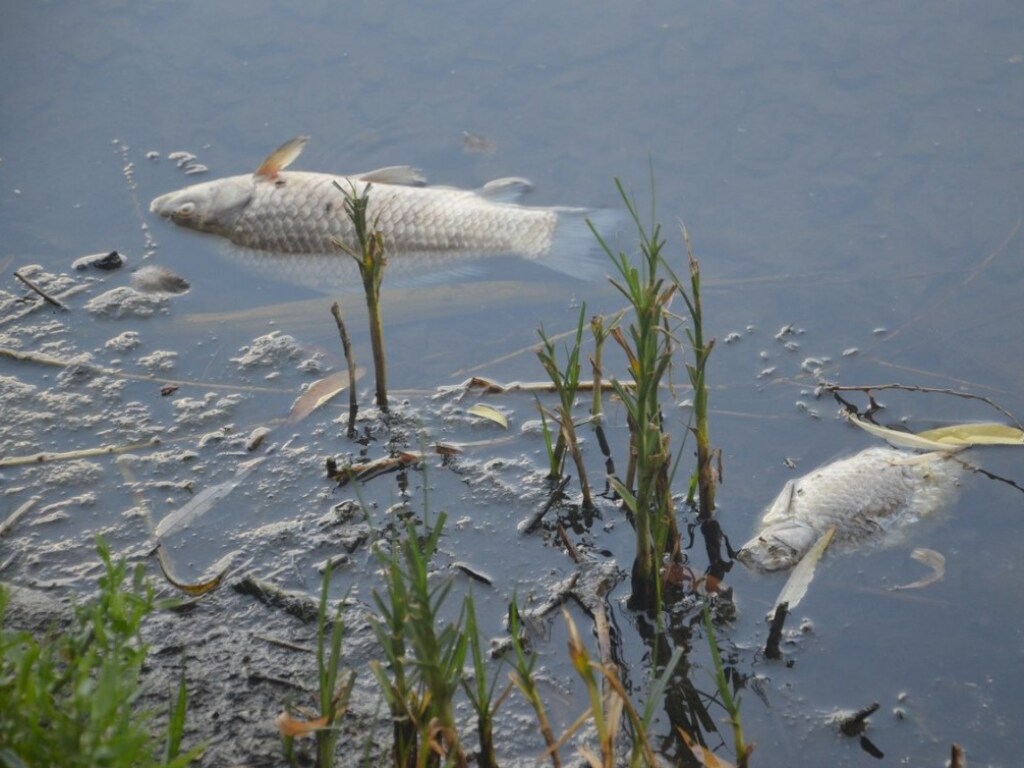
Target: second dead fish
{"x":867,"y":496}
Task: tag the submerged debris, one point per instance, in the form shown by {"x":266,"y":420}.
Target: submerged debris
{"x":104,"y":261}
{"x":154,"y":279}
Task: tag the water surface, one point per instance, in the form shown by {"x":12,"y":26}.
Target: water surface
{"x":843,"y":169}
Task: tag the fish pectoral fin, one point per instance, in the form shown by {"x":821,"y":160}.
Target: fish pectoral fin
{"x":403,"y":175}
{"x":507,"y":190}
{"x":281,"y":158}
{"x":782,"y":506}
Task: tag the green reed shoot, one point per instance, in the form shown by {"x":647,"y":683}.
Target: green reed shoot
{"x":371,"y":260}
{"x":649,"y":348}
{"x":567,"y":383}
{"x":399,"y":689}
{"x":72,"y":698}
{"x":600,"y":331}
{"x":731,"y":704}
{"x":605,"y":711}
{"x":523,"y":679}
{"x":705,"y":477}
{"x":642,"y":753}
{"x":334,"y":697}
{"x":481,"y":695}
{"x":422,"y":693}
{"x":609,"y":701}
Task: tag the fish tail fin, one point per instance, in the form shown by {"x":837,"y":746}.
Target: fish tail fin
{"x":575,"y":251}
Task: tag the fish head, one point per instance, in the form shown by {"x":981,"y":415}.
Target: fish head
{"x":213,"y":206}
{"x":777,"y":547}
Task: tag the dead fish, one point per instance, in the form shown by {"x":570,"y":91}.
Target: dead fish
{"x":867,"y":497}
{"x":290,"y":224}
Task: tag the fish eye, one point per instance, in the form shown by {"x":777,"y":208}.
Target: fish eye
{"x":184,"y":211}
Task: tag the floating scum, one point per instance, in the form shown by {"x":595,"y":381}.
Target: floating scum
{"x":293,"y":225}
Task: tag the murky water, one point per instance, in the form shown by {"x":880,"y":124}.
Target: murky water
{"x":841,"y":169}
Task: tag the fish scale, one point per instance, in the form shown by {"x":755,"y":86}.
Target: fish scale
{"x":305,"y":213}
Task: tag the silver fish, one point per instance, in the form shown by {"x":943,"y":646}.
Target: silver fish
{"x":290,"y":224}
{"x":867,"y":496}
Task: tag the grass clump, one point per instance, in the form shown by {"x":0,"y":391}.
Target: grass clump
{"x":72,"y":698}
{"x":423,"y":671}
{"x":333,"y":696}
{"x":729,"y":702}
{"x":649,"y":347}
{"x":567,"y":383}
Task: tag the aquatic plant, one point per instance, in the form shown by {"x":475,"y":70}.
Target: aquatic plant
{"x":72,"y":698}
{"x":421,"y":688}
{"x":523,"y":678}
{"x":334,"y":697}
{"x":567,"y":382}
{"x":370,"y":258}
{"x":649,"y":348}
{"x":730,"y":702}
{"x":601,"y":329}
{"x":481,"y":694}
{"x":704,"y":480}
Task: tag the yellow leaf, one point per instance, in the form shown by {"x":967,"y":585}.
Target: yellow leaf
{"x":489,"y":413}
{"x":289,"y":726}
{"x":218,"y":569}
{"x":902,"y":439}
{"x":320,"y":392}
{"x":951,"y":438}
{"x":800,"y":579}
{"x":704,"y":756}
{"x":985,"y":433}
{"x":933,"y":560}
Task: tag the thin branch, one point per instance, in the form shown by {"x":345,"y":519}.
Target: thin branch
{"x":47,"y":297}
{"x":867,"y":389}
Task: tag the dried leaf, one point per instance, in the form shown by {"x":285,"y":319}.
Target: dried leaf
{"x":204,"y":501}
{"x":16,"y":515}
{"x":704,"y":756}
{"x":803,"y":573}
{"x":318,"y":393}
{"x":933,"y":560}
{"x":487,"y":412}
{"x":447,"y":449}
{"x":219,"y":570}
{"x":984,"y":433}
{"x":289,"y":726}
{"x":371,"y":469}
{"x":473,"y":573}
{"x":951,"y":438}
{"x":901,"y":439}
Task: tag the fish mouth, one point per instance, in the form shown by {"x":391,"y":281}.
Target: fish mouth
{"x":163,"y":205}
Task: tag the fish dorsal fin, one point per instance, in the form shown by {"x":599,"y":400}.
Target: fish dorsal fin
{"x":404,"y":175}
{"x":281,"y":158}
{"x":507,"y":190}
